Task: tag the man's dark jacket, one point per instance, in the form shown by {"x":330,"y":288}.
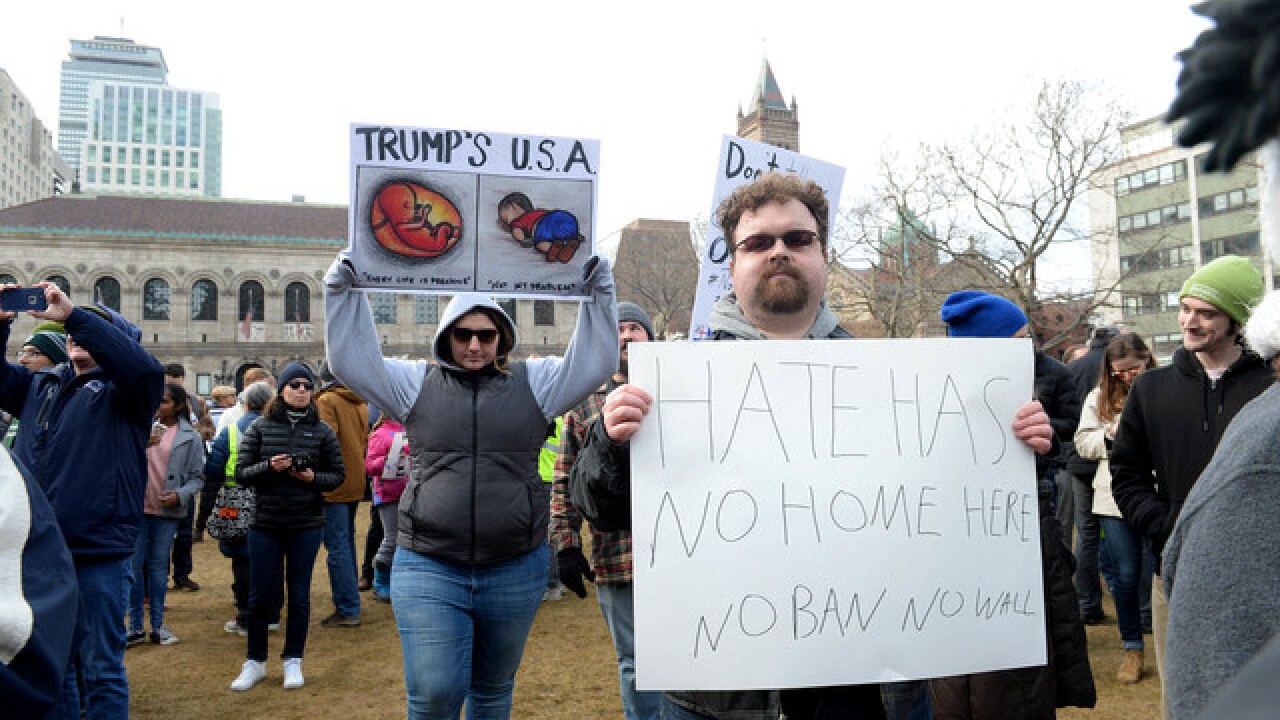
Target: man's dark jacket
{"x":1085,"y":371}
{"x":1172,"y":422}
{"x":84,"y":436}
{"x":1056,"y":391}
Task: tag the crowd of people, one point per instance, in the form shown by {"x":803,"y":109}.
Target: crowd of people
{"x":455,"y":460}
{"x":483,"y":467}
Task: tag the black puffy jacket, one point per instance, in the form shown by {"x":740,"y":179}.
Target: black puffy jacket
{"x":283,"y":502}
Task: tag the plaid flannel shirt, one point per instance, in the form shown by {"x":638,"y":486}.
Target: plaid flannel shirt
{"x":610,"y":551}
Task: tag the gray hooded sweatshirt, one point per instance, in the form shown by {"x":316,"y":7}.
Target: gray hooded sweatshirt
{"x":475,"y":496}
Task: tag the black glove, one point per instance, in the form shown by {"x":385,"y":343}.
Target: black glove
{"x":573,"y":567}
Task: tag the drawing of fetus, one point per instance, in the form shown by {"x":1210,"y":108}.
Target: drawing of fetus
{"x":408,"y":219}
{"x":551,"y":232}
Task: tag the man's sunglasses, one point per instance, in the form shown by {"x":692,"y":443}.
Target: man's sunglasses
{"x":301,"y":385}
{"x":762,"y":242}
{"x":464,"y":335}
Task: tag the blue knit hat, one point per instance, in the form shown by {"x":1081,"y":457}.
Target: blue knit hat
{"x":971,"y":313}
{"x":294,"y":371}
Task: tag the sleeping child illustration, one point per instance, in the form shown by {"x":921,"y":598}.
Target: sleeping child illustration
{"x":551,"y":232}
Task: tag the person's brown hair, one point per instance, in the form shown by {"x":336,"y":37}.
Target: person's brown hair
{"x":1112,"y":390}
{"x":774,"y":187}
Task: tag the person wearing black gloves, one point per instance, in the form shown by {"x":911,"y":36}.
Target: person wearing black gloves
{"x":610,"y":566}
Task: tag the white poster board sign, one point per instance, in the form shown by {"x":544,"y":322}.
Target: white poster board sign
{"x":742,"y":162}
{"x":446,"y":211}
{"x":811,"y":513}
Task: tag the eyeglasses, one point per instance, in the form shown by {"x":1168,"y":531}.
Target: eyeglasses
{"x":762,"y":242}
{"x":464,"y":335}
{"x":300,"y":385}
{"x":32,"y":353}
{"x":1127,"y":372}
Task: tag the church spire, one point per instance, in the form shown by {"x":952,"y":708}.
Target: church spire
{"x":768,"y":119}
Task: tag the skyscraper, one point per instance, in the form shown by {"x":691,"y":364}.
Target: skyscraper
{"x":769,"y":119}
{"x":30,"y":169}
{"x":104,"y":59}
{"x":152,"y":140}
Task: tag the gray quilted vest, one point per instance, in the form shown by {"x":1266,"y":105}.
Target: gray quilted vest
{"x":475,"y":495}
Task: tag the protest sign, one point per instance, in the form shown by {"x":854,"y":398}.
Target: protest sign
{"x":810,"y":513}
{"x":446,"y":211}
{"x":742,"y":162}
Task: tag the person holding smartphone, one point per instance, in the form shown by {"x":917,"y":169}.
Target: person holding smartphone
{"x":83,"y":434}
{"x":290,"y":458}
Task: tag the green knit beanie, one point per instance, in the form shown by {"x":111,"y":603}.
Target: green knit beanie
{"x":51,"y":339}
{"x":1230,"y":283}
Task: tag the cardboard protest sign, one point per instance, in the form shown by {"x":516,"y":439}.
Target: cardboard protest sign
{"x":743,"y":161}
{"x":809,"y":513}
{"x":446,"y":211}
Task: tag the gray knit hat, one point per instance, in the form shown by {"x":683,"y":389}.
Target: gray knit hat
{"x":631,"y":312}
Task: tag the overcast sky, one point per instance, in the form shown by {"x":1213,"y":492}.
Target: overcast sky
{"x":658,"y":82}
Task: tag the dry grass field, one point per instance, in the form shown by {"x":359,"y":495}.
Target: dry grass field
{"x":568,"y":672}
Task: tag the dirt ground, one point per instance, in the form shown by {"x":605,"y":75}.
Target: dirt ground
{"x":569,"y":670}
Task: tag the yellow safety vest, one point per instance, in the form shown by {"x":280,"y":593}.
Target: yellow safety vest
{"x":550,"y":449}
{"x":234,"y":447}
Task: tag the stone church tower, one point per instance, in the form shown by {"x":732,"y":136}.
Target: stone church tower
{"x":769,"y":119}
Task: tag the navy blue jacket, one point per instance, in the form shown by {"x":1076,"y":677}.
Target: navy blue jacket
{"x":38,"y":611}
{"x":84,"y":436}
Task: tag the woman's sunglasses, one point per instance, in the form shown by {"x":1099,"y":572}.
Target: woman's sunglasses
{"x":301,"y":385}
{"x":761,"y":242}
{"x":464,"y":335}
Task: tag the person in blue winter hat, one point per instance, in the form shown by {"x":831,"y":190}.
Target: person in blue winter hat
{"x":1067,"y":678}
{"x":973,"y":313}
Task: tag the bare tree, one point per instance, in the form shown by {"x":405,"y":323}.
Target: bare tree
{"x":657,"y":268}
{"x":987,"y":208}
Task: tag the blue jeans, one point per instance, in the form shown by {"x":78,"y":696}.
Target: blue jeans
{"x":1126,"y":553}
{"x":463,"y":631}
{"x":97,"y":652}
{"x":272,"y":553}
{"x":618,"y":607}
{"x":340,"y":544}
{"x":182,"y":564}
{"x":155,"y":538}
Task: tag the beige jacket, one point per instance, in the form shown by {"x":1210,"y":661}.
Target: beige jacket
{"x":1091,"y":444}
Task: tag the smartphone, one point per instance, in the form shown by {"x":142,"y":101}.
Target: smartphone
{"x":23,"y":299}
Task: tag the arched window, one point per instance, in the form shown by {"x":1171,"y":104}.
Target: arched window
{"x":204,"y":300}
{"x":252,"y":301}
{"x":297,"y":303}
{"x":107,"y":291}
{"x":62,"y":283}
{"x":155,"y":300}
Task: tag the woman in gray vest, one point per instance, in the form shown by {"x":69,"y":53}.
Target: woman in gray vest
{"x":471,"y":559}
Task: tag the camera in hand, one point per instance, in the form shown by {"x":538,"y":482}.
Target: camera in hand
{"x":301,"y":463}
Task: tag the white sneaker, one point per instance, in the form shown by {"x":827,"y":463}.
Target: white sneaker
{"x":553,"y":594}
{"x":293,"y":673}
{"x":250,"y":674}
